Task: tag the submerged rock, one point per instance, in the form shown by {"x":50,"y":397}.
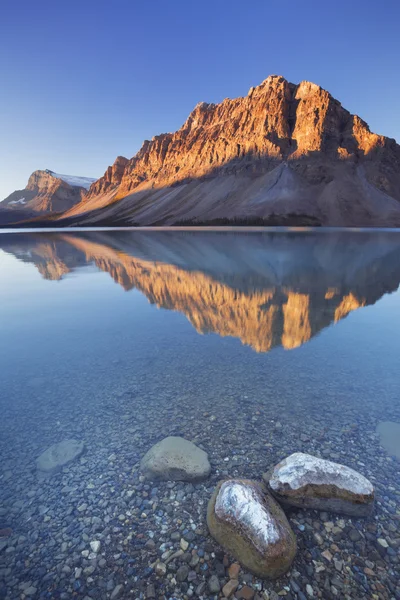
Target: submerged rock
{"x":310,"y":482}
{"x":176,"y":459}
{"x":59,"y":455}
{"x":389,"y":433}
{"x":249,"y":524}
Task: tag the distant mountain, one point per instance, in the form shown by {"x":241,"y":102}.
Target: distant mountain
{"x":46,"y":193}
{"x":285,"y":153}
{"x":266,"y":289}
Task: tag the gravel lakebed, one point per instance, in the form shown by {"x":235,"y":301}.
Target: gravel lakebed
{"x":98,"y":529}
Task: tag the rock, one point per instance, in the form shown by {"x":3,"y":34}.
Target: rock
{"x":150,"y":545}
{"x":30,"y":591}
{"x":59,"y":455}
{"x":213,"y":584}
{"x":389,"y":433}
{"x":200,"y":588}
{"x":176,"y":459}
{"x":160,"y":569}
{"x":354,"y":535}
{"x":246,"y":593}
{"x":309,"y":482}
{"x":95,"y":546}
{"x":182,"y":573}
{"x":234,"y":570}
{"x":230,"y":588}
{"x":150,"y":591}
{"x":249,"y":524}
{"x":116,"y":593}
{"x":326,"y":554}
{"x":184,"y":544}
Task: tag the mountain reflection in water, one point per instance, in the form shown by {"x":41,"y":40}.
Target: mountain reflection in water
{"x":267,"y":289}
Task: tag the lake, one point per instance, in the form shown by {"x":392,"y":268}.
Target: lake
{"x":251,"y":344}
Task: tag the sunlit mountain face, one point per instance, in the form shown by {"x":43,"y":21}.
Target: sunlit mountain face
{"x":267,"y":289}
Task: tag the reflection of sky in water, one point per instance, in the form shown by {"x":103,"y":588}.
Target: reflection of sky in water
{"x":61,"y":327}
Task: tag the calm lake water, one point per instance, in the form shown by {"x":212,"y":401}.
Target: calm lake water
{"x":253,"y":345}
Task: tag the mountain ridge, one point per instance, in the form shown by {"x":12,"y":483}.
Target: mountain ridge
{"x":282,"y":149}
{"x":284,"y":154}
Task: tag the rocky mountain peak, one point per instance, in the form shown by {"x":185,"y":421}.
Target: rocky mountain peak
{"x":283,"y":149}
{"x":47,"y":191}
{"x":111,"y":177}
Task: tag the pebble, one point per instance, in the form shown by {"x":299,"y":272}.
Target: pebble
{"x":214,"y":585}
{"x":117,"y":591}
{"x":246,"y":592}
{"x":160,"y":569}
{"x":184,"y":544}
{"x":355,"y":535}
{"x":182,"y":573}
{"x":234,"y":570}
{"x":201,"y":589}
{"x":150,"y":591}
{"x":95,"y":546}
{"x":30,"y":591}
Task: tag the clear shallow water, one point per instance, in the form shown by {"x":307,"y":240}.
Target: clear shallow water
{"x":253,"y":345}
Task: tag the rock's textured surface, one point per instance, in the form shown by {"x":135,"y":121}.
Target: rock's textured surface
{"x":283,"y":149}
{"x":176,"y":459}
{"x":111,"y":178}
{"x":247,"y":522}
{"x":310,"y":482}
{"x":59,"y":455}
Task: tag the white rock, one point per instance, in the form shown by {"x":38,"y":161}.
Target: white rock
{"x":237,"y":499}
{"x":95,"y":546}
{"x":184,"y":544}
{"x":59,"y":455}
{"x":311,"y":482}
{"x":244,"y":518}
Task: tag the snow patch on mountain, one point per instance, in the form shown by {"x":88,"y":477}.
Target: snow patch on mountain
{"x":20,"y":201}
{"x":75,"y":181}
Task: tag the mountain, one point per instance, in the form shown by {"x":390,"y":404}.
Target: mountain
{"x":267,"y":290}
{"x":47,"y":192}
{"x":284,"y":153}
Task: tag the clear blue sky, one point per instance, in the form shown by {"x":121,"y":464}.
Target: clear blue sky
{"x":82,"y":82}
